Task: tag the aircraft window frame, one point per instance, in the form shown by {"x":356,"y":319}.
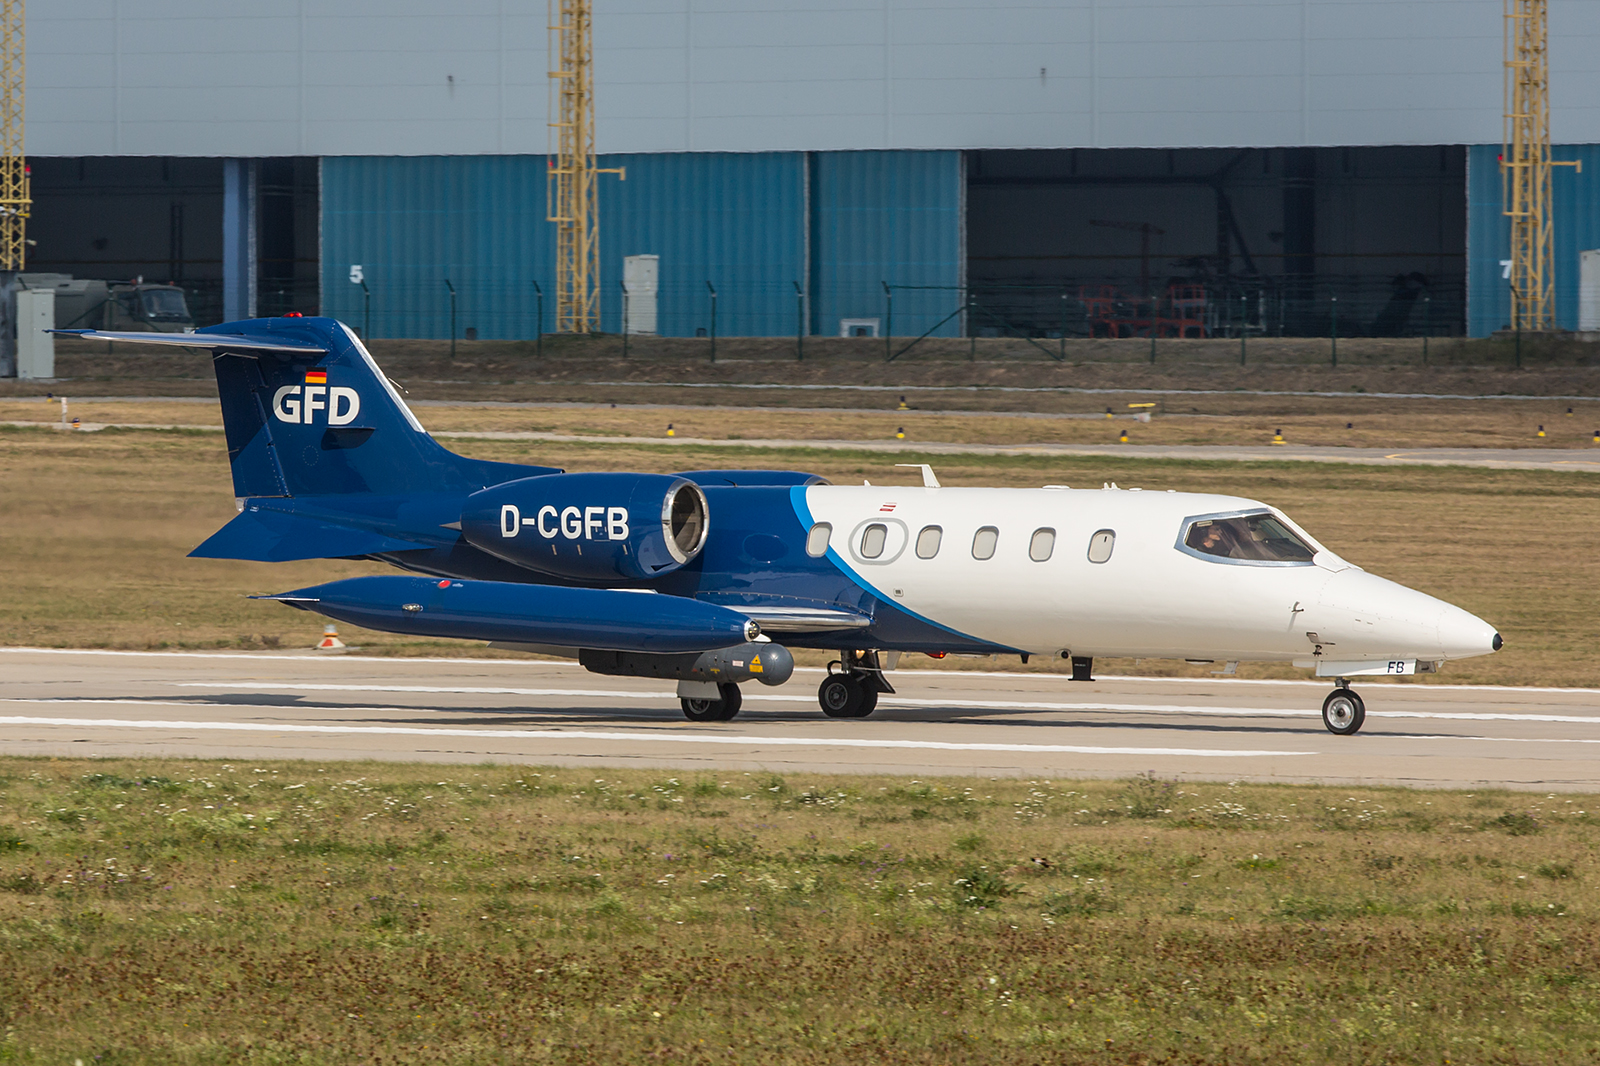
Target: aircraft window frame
{"x":1049,"y":535}
{"x":1189,"y":523}
{"x":867,"y":531}
{"x":994,"y":542}
{"x":1110,"y":543}
{"x":938,"y":539}
{"x":813,"y":548}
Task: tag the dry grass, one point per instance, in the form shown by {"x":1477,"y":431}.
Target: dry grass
{"x":96,"y":527}
{"x":1229,"y":420}
{"x":189,"y":912}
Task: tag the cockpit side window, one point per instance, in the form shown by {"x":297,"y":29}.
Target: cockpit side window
{"x":1251,"y":538}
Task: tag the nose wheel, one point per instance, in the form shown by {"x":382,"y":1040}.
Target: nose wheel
{"x":1343,"y":712}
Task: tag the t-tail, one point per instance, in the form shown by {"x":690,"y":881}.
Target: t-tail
{"x":327,"y":459}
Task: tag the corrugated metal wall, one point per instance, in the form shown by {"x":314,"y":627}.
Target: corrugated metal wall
{"x":738,"y":221}
{"x":887,"y":217}
{"x":1575,"y":211}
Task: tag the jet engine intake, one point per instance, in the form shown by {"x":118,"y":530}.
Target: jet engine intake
{"x":590,"y":527}
{"x":770,"y":664}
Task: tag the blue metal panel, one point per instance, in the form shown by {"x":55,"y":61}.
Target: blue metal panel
{"x":887,"y":217}
{"x":734,"y":220}
{"x":1574,"y":209}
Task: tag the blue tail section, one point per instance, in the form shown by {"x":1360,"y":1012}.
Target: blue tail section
{"x":323,"y":420}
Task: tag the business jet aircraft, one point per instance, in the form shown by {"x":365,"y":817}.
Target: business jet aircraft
{"x":695,"y":577}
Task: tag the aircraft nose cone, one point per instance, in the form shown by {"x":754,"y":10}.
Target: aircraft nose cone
{"x":1462,"y":634}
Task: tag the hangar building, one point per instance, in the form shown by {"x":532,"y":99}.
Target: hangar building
{"x":982,"y":165}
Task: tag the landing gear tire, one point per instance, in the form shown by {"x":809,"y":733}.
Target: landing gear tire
{"x":842,"y":696}
{"x":721,"y":710}
{"x":1343,"y":712}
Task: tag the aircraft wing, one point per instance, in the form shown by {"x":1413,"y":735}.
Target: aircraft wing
{"x":231,"y":341}
{"x":788,"y":618}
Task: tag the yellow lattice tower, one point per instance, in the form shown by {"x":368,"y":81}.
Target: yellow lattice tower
{"x":570,"y":186}
{"x":1525,"y":165}
{"x":14,"y":198}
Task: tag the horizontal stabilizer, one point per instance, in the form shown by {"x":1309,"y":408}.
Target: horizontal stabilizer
{"x":213,"y":341}
{"x":279,"y":537}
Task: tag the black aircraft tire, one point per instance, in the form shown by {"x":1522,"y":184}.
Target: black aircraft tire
{"x":1343,"y":712}
{"x":869,"y":702}
{"x":841,"y":697}
{"x":732,"y":699}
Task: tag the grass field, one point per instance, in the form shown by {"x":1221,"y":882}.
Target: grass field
{"x":188,"y":912}
{"x":1225,"y":419}
{"x":95,"y":528}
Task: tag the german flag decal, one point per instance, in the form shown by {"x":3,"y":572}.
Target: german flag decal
{"x":316,"y":377}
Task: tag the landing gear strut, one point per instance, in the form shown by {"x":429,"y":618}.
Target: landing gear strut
{"x":719,"y":710}
{"x":1343,"y":712}
{"x":853,"y":692}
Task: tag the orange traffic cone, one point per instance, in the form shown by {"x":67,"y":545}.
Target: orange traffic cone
{"x":330,"y":639}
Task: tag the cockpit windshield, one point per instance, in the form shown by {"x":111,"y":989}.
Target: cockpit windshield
{"x":1253,"y":538}
{"x":165,"y":304}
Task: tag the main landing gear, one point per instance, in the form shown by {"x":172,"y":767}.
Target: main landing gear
{"x":719,"y":710}
{"x":1343,"y":712}
{"x":853,"y":692}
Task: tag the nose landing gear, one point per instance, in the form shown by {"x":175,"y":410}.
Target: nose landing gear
{"x":853,"y":693}
{"x":1343,"y":712}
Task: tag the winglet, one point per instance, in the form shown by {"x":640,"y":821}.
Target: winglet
{"x":928,"y":480}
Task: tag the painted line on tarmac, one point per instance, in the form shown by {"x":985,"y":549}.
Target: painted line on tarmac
{"x":608,"y":735}
{"x":901,"y":701}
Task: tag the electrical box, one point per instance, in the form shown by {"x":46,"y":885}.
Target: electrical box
{"x":1589,"y":291}
{"x":858,"y":327}
{"x":36,"y":349}
{"x":641,"y":281}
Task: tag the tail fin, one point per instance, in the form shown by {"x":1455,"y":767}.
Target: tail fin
{"x":307,"y":412}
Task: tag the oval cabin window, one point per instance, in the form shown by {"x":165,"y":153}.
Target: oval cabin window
{"x":872,"y":539}
{"x":817,"y":540}
{"x":1100,"y":545}
{"x":1042,"y":544}
{"x":983,"y":542}
{"x":928,"y":542}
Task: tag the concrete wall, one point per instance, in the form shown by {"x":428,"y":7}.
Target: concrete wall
{"x":401,"y":77}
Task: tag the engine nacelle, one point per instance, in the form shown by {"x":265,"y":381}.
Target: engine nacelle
{"x":590,"y":527}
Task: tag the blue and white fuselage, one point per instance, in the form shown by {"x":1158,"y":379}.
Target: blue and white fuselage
{"x":702,"y":577}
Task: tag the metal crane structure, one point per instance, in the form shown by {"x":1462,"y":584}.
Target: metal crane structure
{"x":14,"y":194}
{"x":570,"y":185}
{"x":1525,"y":165}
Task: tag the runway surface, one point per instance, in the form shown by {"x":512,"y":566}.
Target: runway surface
{"x":306,"y":706}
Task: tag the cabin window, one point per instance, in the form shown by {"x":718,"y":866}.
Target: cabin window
{"x":928,"y":542}
{"x":1251,"y":538}
{"x":817,"y":540}
{"x":1100,"y":545}
{"x":983,"y":542}
{"x":872,"y":539}
{"x":1042,"y":544}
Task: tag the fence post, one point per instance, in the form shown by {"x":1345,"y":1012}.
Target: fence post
{"x":452,"y":289}
{"x":713,"y":289}
{"x":1334,"y":330}
{"x":1242,"y":330}
{"x":1427,"y":325}
{"x":972,"y":333}
{"x":538,"y":321}
{"x":888,"y":322}
{"x":624,"y":285}
{"x":1153,"y":319}
{"x":1064,"y":299}
{"x":366,"y":312}
{"x":799,"y":323}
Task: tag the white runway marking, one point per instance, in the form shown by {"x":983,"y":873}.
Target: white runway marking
{"x":897,"y":701}
{"x":676,"y":737}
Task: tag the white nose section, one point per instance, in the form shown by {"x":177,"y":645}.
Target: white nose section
{"x":1370,"y":615}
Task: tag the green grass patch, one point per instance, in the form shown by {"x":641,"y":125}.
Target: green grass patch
{"x":199,"y":912}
